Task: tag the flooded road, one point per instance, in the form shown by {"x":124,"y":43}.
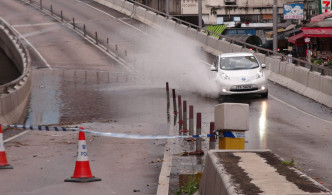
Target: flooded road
{"x":82,"y":86}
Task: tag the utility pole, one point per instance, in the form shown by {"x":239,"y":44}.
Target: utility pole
{"x":167,"y":7}
{"x":200,"y":13}
{"x":275,"y":26}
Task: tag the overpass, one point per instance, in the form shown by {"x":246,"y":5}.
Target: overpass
{"x":15,"y":82}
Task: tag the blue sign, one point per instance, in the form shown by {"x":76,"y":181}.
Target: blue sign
{"x":293,"y":11}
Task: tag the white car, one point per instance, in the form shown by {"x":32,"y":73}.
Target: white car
{"x":240,"y":73}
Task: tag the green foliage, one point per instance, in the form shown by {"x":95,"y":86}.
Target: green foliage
{"x":290,"y":163}
{"x":318,"y":61}
{"x":190,"y":188}
{"x":330,"y":62}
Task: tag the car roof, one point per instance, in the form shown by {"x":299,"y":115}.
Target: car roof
{"x":235,"y":54}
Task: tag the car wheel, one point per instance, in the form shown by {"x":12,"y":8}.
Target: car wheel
{"x":264,"y":95}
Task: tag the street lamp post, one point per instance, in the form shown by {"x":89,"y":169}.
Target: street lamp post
{"x":275,"y":27}
{"x":167,"y":7}
{"x":200,"y":13}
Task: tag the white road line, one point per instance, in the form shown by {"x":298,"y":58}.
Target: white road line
{"x":15,"y":136}
{"x":119,"y":19}
{"x":41,"y":57}
{"x":38,"y":24}
{"x":41,"y":31}
{"x":90,"y":40}
{"x":295,"y":108}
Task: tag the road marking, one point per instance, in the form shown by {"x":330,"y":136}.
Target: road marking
{"x":119,"y":19}
{"x":15,"y":136}
{"x":90,"y":40}
{"x":41,"y":31}
{"x":304,"y":112}
{"x":38,"y":24}
{"x":40,"y":56}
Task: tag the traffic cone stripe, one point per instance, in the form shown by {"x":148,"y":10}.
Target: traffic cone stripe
{"x":82,"y":152}
{"x":2,"y":147}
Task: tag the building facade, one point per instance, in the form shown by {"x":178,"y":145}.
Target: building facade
{"x":219,"y":11}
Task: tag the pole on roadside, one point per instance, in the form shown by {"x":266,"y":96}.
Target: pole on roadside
{"x":200,"y":14}
{"x":275,"y":26}
{"x":167,"y":8}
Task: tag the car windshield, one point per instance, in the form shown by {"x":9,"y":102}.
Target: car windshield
{"x":239,"y":62}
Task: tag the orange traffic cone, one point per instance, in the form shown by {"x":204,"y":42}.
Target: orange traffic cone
{"x":82,"y":171}
{"x":3,"y":159}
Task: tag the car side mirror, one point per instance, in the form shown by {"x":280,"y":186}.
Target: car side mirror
{"x":263,"y":66}
{"x":213,"y":68}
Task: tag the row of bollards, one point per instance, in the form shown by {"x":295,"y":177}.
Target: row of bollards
{"x":96,"y":40}
{"x":180,"y":113}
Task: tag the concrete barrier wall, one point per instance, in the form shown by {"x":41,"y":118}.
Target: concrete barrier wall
{"x":128,"y":7}
{"x":272,"y":64}
{"x":223,"y":46}
{"x":286,"y":74}
{"x":192,"y":33}
{"x":161,"y":20}
{"x":326,"y":85}
{"x":235,"y":48}
{"x":201,"y":37}
{"x":290,"y":69}
{"x":261,"y":58}
{"x":14,"y":95}
{"x":212,"y":42}
{"x":301,"y":74}
{"x":314,"y":80}
{"x":181,"y":29}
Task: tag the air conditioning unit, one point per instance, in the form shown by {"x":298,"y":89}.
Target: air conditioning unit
{"x":230,"y":1}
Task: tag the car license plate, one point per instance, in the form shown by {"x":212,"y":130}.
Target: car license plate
{"x":243,"y":87}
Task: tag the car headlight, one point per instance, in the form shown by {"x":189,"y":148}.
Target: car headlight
{"x":259,"y":74}
{"x":224,"y":76}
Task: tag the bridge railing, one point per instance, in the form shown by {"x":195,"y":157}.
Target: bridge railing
{"x":17,"y":47}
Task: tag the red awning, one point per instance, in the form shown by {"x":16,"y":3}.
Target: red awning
{"x":295,"y":37}
{"x":321,"y":17}
{"x":317,"y":32}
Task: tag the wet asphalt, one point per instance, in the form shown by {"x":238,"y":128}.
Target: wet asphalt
{"x":84,"y":87}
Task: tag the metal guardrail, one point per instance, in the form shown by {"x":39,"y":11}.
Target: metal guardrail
{"x":299,"y":62}
{"x":25,"y":59}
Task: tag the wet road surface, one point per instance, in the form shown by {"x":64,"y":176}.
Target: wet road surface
{"x":83,"y":86}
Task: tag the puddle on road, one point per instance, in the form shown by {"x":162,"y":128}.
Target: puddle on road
{"x":61,"y":96}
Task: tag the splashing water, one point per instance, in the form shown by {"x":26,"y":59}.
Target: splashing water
{"x":174,"y":58}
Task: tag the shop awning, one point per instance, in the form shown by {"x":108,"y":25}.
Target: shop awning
{"x":295,"y":37}
{"x":321,"y":17}
{"x":216,"y":28}
{"x":317,"y":32}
